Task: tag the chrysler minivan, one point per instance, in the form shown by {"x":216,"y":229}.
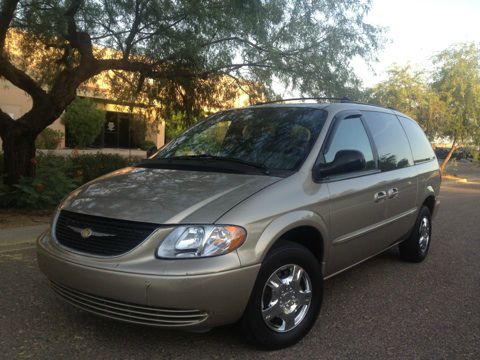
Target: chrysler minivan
{"x":242,"y":217}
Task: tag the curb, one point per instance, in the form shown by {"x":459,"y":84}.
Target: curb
{"x":26,"y":235}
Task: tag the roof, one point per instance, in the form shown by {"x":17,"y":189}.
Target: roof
{"x":334,"y":106}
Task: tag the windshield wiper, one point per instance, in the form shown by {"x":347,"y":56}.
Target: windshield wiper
{"x":222,"y":158}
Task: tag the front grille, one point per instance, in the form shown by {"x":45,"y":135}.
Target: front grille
{"x":108,"y":237}
{"x":139,"y":314}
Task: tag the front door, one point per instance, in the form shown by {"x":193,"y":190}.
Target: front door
{"x":116,"y":130}
{"x":357,"y":199}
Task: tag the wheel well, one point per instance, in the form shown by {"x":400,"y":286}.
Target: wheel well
{"x":430,"y":203}
{"x":307,"y":236}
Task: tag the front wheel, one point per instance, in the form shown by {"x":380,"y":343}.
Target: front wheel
{"x":415,"y":248}
{"x":286,"y":298}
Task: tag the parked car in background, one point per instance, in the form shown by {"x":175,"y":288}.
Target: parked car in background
{"x":441,"y":152}
{"x":461,"y":153}
{"x":243,"y":217}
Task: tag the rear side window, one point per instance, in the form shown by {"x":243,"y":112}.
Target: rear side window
{"x":390,"y":139}
{"x":349,"y":134}
{"x":421,"y":148}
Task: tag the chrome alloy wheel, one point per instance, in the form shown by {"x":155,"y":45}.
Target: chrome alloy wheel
{"x":286,"y":298}
{"x":424,"y":234}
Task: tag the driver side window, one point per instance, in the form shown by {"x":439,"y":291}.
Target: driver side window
{"x":349,"y":134}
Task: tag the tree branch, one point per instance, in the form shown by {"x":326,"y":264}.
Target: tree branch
{"x":78,"y":40}
{"x":6,"y":16}
{"x":148,"y":70}
{"x":133,"y":31}
{"x":237,"y":39}
{"x":21,"y":80}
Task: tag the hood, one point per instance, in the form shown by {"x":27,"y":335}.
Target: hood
{"x":165,"y":196}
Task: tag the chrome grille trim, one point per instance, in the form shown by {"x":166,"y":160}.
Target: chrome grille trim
{"x":133,"y":313}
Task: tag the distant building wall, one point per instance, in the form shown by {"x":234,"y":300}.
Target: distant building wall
{"x":16,"y":103}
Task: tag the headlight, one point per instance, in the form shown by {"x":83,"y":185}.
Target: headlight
{"x":196,"y":241}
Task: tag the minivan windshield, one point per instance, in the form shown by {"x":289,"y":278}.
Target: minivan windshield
{"x":269,"y":138}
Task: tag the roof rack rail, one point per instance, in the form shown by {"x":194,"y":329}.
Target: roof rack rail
{"x":343,"y":99}
{"x":371,"y":104}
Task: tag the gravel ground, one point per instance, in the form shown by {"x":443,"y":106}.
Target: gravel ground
{"x":383,"y":308}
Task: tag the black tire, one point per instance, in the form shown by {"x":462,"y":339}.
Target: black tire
{"x":412,"y":249}
{"x":255,"y":327}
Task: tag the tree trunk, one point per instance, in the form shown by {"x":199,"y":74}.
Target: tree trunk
{"x":19,"y":156}
{"x":447,"y":158}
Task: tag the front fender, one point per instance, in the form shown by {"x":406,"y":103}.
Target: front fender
{"x":255,"y":251}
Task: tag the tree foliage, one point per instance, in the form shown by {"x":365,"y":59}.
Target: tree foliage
{"x":457,"y":81}
{"x":175,"y":49}
{"x":83,"y":121}
{"x":409,"y":91}
{"x":49,"y":139}
{"x":444,"y":100}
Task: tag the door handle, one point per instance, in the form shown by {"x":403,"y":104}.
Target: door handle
{"x":380,"y":196}
{"x":393,"y":192}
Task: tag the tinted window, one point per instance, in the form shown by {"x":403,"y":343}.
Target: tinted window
{"x":389,"y":137}
{"x":422,"y":151}
{"x":277,"y":138}
{"x":349,"y":134}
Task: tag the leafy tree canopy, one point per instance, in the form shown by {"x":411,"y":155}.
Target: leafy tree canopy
{"x":175,"y":48}
{"x":409,"y":91}
{"x":457,"y":81}
{"x":444,"y":100}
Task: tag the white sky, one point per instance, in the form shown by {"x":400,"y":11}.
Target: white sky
{"x":417,"y":29}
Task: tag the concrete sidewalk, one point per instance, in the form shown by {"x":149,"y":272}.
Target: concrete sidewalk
{"x":21,"y":236}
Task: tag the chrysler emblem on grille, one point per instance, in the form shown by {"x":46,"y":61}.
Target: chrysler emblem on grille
{"x":87,"y":232}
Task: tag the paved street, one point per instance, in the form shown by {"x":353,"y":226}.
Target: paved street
{"x":384,"y":308}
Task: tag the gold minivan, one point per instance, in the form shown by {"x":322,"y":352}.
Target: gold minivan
{"x":243,"y":216}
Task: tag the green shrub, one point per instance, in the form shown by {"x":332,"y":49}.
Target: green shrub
{"x":91,"y":166}
{"x":56,"y":176}
{"x":147,"y":144}
{"x":49,"y":186}
{"x":83,"y":121}
{"x":49,"y":139}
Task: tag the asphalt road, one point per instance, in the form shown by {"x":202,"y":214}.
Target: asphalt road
{"x":383,"y":308}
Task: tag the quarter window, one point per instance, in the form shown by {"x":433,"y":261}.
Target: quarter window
{"x":421,"y":148}
{"x":390,"y":139}
{"x":349,"y":134}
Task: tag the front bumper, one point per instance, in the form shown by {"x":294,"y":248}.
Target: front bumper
{"x":185,"y":301}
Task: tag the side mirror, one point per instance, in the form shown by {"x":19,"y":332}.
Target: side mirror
{"x":345,"y":161}
{"x":151,"y":151}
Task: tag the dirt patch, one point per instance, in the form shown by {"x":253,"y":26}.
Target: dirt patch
{"x":10,"y":218}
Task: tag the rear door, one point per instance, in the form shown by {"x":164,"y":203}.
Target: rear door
{"x":398,"y":174}
{"x":357,"y":199}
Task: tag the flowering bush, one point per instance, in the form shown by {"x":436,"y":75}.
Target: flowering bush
{"x":56,"y":176}
{"x":49,"y":139}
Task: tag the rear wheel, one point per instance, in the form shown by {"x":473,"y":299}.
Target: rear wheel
{"x":415,"y":248}
{"x":286,"y":298}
